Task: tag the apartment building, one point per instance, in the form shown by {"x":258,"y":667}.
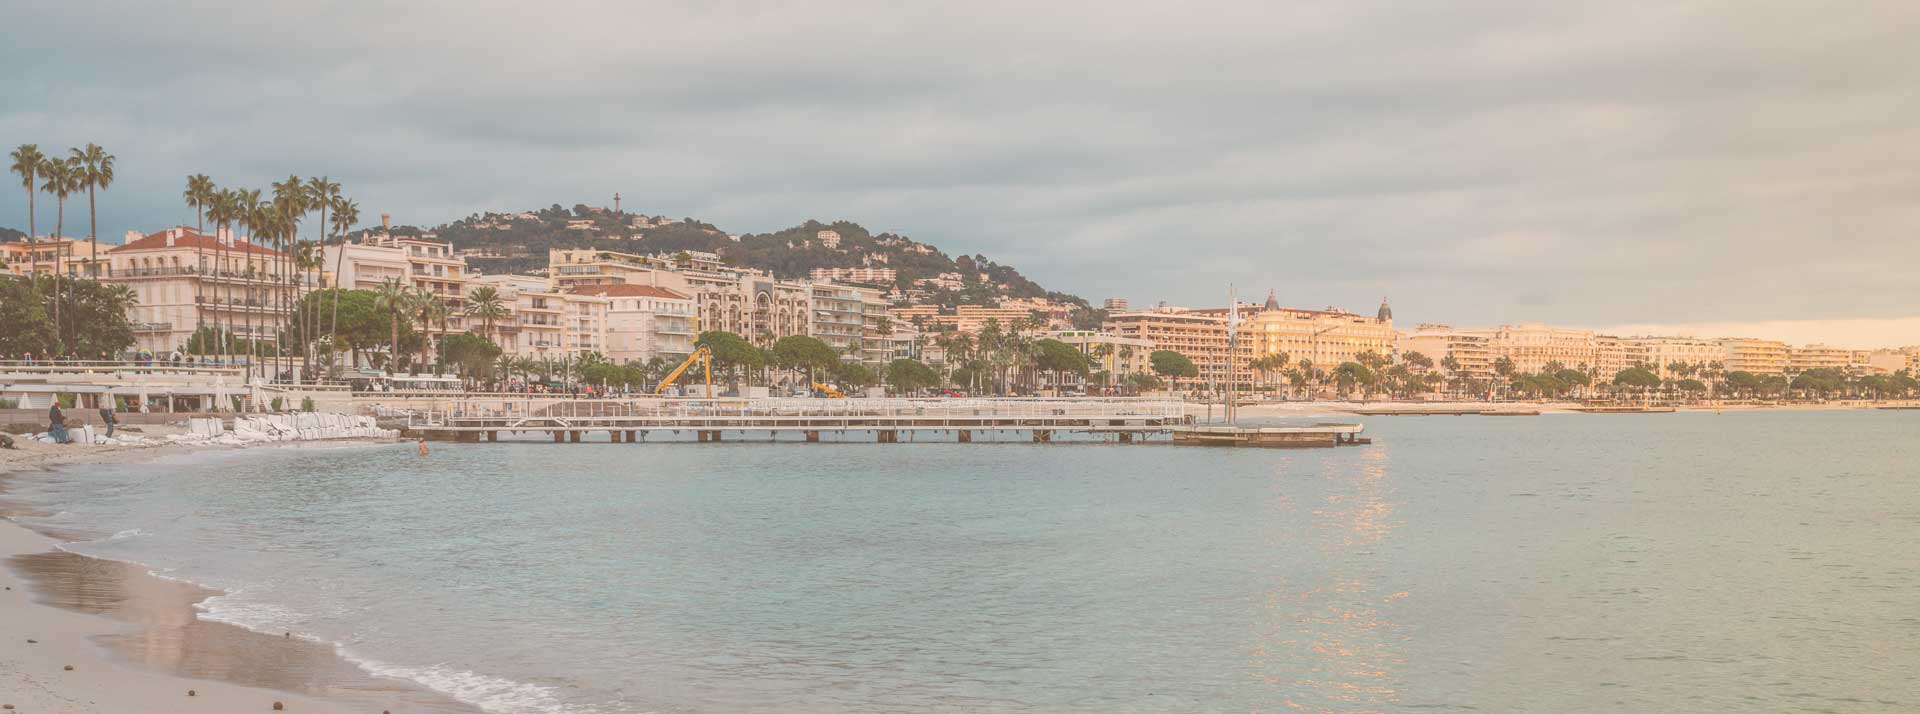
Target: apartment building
{"x":183,"y":280}
{"x":746,"y":302}
{"x":1199,"y":335}
{"x":644,"y":322}
{"x":1746,"y":354}
{"x":853,"y":320}
{"x":544,"y":323}
{"x":1612,"y":354}
{"x":427,"y":265}
{"x":873,"y":276}
{"x":973,"y":318}
{"x":1801,"y":359}
{"x":44,"y":255}
{"x":1663,"y":352}
{"x":1115,"y":354}
{"x":1531,"y":346}
{"x":1471,"y":350}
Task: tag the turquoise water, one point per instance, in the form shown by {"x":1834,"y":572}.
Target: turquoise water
{"x":1671,"y":563}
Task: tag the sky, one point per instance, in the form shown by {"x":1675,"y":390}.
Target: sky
{"x":1666,"y":166}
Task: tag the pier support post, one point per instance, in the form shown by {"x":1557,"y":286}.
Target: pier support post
{"x":573,"y":436}
{"x":966,"y":436}
{"x":493,"y":436}
{"x":630,"y":436}
{"x":1126,"y":437}
{"x":1042,"y":436}
{"x":889,"y":437}
{"x":558,"y":437}
{"x":615,"y":435}
{"x":813,"y":437}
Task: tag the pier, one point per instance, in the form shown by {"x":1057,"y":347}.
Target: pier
{"x":884,"y":421}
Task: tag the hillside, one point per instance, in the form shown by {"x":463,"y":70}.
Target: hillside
{"x":518,"y":242}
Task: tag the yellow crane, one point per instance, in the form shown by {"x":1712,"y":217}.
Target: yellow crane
{"x":702,"y":355}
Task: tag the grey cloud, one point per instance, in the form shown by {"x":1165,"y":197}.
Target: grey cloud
{"x":1478,"y":161}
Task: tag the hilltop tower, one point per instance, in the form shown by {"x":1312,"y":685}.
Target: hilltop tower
{"x":616,"y":201}
{"x":1386,"y":313}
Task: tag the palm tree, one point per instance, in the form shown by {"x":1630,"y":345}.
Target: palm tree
{"x":199,"y":195}
{"x":261,"y":220}
{"x":322,"y":193}
{"x":95,"y":171}
{"x":62,"y":179}
{"x":290,"y":201}
{"x":27,"y":161}
{"x":345,"y":214}
{"x":223,"y":209}
{"x":431,"y":310}
{"x":485,"y":303}
{"x":395,"y":299}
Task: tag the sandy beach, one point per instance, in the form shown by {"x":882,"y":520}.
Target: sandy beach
{"x":80,"y":635}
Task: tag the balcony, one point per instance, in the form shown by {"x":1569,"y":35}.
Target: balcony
{"x":153,"y":327}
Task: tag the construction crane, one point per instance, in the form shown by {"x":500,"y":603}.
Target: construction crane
{"x":829,"y":391}
{"x":702,"y":355}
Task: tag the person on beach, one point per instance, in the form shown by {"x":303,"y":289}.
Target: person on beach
{"x":106,"y":417}
{"x":57,"y":423}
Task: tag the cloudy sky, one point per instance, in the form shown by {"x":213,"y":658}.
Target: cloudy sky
{"x":1725,"y":166}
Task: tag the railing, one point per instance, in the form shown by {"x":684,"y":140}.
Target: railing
{"x":537,"y":407}
{"x":52,"y":367}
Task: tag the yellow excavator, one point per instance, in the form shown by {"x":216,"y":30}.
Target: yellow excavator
{"x":829,"y":391}
{"x":702,"y":355}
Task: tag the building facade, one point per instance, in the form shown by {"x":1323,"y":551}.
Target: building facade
{"x":183,"y":280}
{"x":644,"y":322}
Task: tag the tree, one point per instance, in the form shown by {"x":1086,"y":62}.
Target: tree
{"x":909,"y":375}
{"x":94,"y":170}
{"x":1636,"y":377}
{"x":396,"y":300}
{"x":468,"y":353}
{"x":27,"y":161}
{"x":346,"y":213}
{"x":854,"y":375}
{"x":731,"y":352}
{"x":1141,"y":382}
{"x":1172,"y":365}
{"x":24,"y":323}
{"x":1057,"y":357}
{"x":796,"y":352}
{"x":1692,"y":386}
{"x":1351,"y":374}
{"x":62,"y":179}
{"x":485,"y":303}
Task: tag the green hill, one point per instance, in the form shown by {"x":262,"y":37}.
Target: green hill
{"x":519,"y":243}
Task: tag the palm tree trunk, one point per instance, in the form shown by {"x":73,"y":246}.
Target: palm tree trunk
{"x":93,"y":237}
{"x":339,"y":262}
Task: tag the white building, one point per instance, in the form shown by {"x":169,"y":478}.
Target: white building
{"x":644,"y":321}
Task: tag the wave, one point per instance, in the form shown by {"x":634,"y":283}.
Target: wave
{"x":489,"y":693}
{"x":492,"y":694}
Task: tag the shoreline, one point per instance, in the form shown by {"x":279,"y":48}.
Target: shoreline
{"x":1333,"y":408}
{"x":135,"y":639}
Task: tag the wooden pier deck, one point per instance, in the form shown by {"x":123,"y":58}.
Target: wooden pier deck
{"x":814,"y":420}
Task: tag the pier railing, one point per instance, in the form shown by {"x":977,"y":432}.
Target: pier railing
{"x":502,"y":411}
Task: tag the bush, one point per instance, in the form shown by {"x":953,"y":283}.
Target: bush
{"x":275,"y":404}
{"x":306,"y":404}
{"x":9,"y":404}
{"x":238,"y":403}
{"x":67,"y":400}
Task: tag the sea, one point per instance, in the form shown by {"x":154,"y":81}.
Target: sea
{"x":1763,"y":561}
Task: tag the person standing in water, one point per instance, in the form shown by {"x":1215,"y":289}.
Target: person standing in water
{"x":423,"y":448}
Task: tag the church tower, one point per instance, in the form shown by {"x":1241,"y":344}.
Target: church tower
{"x":1386,"y":313}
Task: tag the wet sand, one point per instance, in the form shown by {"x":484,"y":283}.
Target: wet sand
{"x":136,"y":643}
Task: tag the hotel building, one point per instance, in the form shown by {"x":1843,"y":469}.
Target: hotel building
{"x":183,"y":280}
